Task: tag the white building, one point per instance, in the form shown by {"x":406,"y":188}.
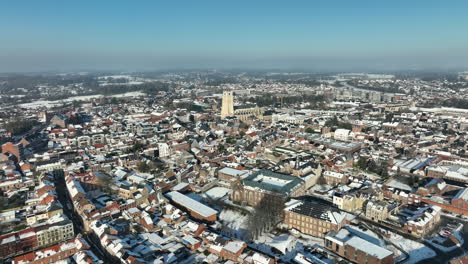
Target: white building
{"x":342,"y":134}
{"x":163,"y":150}
{"x":292,"y":119}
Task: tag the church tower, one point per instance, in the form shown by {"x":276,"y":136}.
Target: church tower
{"x":227,"y":108}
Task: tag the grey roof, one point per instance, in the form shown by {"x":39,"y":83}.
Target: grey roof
{"x":191,"y":204}
{"x":285,"y":189}
{"x":360,"y":243}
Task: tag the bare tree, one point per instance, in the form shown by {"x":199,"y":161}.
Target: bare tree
{"x":268,"y":213}
{"x":105,"y":182}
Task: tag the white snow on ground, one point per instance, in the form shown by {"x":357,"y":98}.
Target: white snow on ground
{"x":321,"y":187}
{"x":287,"y":244}
{"x":368,"y":175}
{"x":129,"y":94}
{"x":397,"y":253}
{"x":311,"y":240}
{"x":248,"y":208}
{"x":124,"y":83}
{"x":46,"y":103}
{"x":234,"y":223}
{"x":417,"y":251}
{"x":217,"y":193}
{"x":284,"y":243}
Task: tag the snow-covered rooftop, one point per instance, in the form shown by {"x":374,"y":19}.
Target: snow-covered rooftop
{"x":191,"y":204}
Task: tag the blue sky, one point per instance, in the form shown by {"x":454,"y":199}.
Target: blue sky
{"x":146,"y":35}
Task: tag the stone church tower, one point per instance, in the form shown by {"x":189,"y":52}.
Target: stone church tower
{"x":227,"y":108}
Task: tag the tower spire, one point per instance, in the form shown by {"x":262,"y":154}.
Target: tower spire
{"x":227,"y":108}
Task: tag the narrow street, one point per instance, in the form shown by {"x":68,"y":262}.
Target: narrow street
{"x":77,"y":224}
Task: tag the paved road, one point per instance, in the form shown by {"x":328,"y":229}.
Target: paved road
{"x":444,"y":257}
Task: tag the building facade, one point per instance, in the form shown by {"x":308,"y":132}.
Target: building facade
{"x":357,"y":249}
{"x":227,"y":107}
{"x":258,"y":185}
{"x":334,"y":178}
{"x":53,"y":234}
{"x":313,"y":218}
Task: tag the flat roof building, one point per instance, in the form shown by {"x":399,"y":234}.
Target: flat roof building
{"x":253,"y":188}
{"x":195,"y":208}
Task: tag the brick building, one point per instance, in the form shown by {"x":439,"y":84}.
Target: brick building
{"x":418,"y":219}
{"x":314,"y":217}
{"x":460,"y":200}
{"x":195,"y":208}
{"x":54,"y":253}
{"x":60,"y":120}
{"x":54,"y":233}
{"x":357,"y":249}
{"x":233,"y":249}
{"x":228,"y":174}
{"x":18,"y":242}
{"x":253,"y":188}
{"x":15,"y":149}
{"x":334,"y":178}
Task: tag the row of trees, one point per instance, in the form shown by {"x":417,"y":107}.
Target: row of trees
{"x":190,"y":106}
{"x":334,"y":122}
{"x":268,"y":100}
{"x":149,"y":88}
{"x":13,"y":202}
{"x":390,"y":88}
{"x":414,"y":181}
{"x":18,"y":127}
{"x":267,"y":214}
{"x":380,"y":168}
{"x":310,"y":130}
{"x":456,"y":102}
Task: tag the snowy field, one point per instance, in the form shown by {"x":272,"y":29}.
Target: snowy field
{"x":311,"y":240}
{"x":48,"y":104}
{"x":234,"y":223}
{"x":284,"y":246}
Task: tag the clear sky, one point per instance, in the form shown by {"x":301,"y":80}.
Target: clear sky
{"x":150,"y":35}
